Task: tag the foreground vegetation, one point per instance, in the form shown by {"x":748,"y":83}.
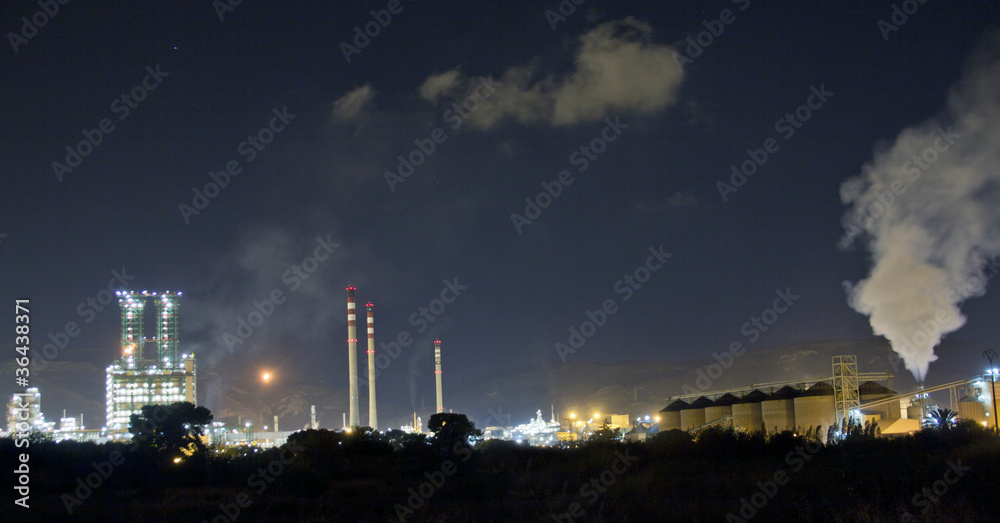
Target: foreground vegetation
{"x":937,"y":474}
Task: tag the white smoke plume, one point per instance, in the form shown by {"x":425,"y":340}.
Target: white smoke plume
{"x":927,"y":207}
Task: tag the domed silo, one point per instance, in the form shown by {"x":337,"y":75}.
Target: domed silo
{"x":694,"y":415}
{"x":815,"y":408}
{"x":872,"y":391}
{"x":670,"y":417}
{"x":778,"y":410}
{"x":746,"y":411}
{"x":720,"y":408}
{"x":972,"y":409}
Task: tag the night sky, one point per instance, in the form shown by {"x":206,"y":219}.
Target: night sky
{"x":314,"y":119}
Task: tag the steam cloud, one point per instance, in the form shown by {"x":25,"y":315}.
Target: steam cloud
{"x":928,"y":209}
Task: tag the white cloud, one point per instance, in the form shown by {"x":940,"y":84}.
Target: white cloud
{"x":616,"y":68}
{"x":351,"y":106}
{"x":437,"y":85}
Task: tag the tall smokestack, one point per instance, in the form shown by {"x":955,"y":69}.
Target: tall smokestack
{"x":437,"y":374}
{"x":372,"y":413}
{"x":352,"y":356}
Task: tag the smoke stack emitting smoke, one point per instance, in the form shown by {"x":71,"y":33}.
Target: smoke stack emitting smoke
{"x":928,"y":208}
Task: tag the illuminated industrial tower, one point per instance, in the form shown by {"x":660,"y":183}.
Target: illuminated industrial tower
{"x":372,"y":412}
{"x":352,"y":357}
{"x":132,"y":343}
{"x":138,"y":378}
{"x":437,"y":374}
{"x":166,"y":329}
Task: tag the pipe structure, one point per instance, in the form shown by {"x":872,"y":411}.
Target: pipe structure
{"x":352,"y":357}
{"x":437,"y":374}
{"x":920,"y":390}
{"x":372,"y":412}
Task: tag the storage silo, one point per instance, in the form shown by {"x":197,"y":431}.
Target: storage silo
{"x":721,"y":407}
{"x":872,"y":391}
{"x":670,"y":417}
{"x":815,"y":408}
{"x":972,"y":409}
{"x":694,"y":415}
{"x":746,"y":411}
{"x":778,"y":410}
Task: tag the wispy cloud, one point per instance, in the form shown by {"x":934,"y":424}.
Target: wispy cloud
{"x":617,"y":68}
{"x":678,"y":200}
{"x":437,"y":85}
{"x":351,"y":106}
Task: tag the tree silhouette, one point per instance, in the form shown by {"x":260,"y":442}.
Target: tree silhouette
{"x":170,"y":428}
{"x":453,"y":429}
{"x":605,"y":433}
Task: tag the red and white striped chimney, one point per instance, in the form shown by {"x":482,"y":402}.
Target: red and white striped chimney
{"x":372,"y":412}
{"x":437,"y":374}
{"x":352,"y":356}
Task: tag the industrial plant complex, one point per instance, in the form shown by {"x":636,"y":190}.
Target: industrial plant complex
{"x":153,"y":371}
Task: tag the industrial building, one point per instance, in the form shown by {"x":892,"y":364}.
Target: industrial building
{"x":26,"y":408}
{"x":818,"y":404}
{"x":795,"y":405}
{"x":142,"y":376}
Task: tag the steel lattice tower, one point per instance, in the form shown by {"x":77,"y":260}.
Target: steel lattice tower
{"x":845,"y":387}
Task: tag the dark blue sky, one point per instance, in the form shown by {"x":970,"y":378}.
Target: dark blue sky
{"x":323,"y":175}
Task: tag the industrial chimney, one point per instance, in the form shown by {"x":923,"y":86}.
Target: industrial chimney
{"x":437,"y":374}
{"x":352,"y":356}
{"x":372,"y":413}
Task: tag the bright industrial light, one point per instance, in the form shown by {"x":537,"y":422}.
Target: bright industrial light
{"x":266,"y":377}
{"x":657,"y":418}
{"x":572,"y":415}
{"x":177,"y":460}
{"x":597,"y":415}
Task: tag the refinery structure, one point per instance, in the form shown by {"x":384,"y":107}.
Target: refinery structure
{"x":150,"y":371}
